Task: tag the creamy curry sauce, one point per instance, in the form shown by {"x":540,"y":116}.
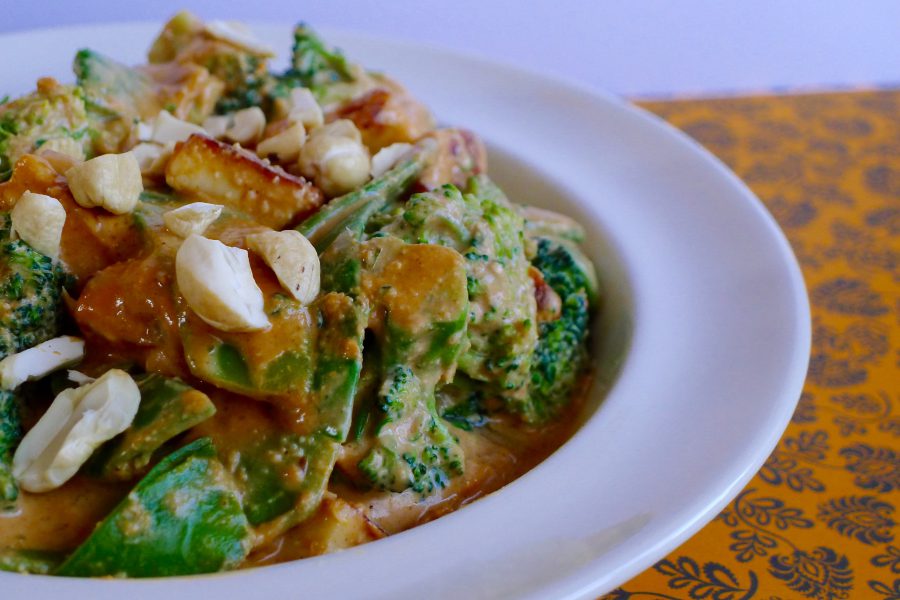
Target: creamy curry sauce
{"x":132,"y":304}
{"x":496,"y":454}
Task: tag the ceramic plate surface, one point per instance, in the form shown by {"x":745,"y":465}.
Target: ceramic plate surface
{"x":704,"y":342}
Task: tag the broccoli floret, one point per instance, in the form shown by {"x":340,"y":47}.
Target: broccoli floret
{"x":483,"y":226}
{"x":418,"y":317}
{"x":414,"y":448}
{"x":185,"y":40}
{"x":245,"y":75}
{"x":10,"y":434}
{"x":561,"y":352}
{"x":324,"y":70}
{"x":30,"y":296}
{"x":54,"y":111}
{"x":315,"y":66}
{"x":463,"y":403}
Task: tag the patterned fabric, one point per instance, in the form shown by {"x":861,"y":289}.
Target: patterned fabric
{"x":820,"y":518}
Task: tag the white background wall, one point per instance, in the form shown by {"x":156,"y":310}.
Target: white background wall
{"x":633,"y":47}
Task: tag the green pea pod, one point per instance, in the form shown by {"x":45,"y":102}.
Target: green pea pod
{"x":10,"y":434}
{"x":183,"y":518}
{"x":283,"y":477}
{"x":276,"y":364}
{"x":168,"y":408}
{"x":353,"y":210}
{"x":339,"y":348}
{"x":37,"y":562}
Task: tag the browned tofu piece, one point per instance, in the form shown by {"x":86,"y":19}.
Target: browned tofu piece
{"x":190,"y":89}
{"x":460,"y":155}
{"x":229,"y":175}
{"x":386,"y":115}
{"x":336,"y":525}
{"x":92,"y":238}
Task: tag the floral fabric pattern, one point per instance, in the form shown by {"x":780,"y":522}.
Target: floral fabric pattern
{"x":819,"y":520}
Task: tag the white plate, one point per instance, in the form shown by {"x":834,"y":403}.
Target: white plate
{"x":705,"y":301}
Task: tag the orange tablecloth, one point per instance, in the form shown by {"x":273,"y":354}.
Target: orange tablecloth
{"x":820,"y":519}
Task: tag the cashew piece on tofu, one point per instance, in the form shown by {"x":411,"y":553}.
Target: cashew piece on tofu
{"x":169,"y":129}
{"x":152,"y":158}
{"x":335,"y":158}
{"x":293,"y":259}
{"x":39,"y":221}
{"x":285,"y":144}
{"x":77,"y":422}
{"x":111,"y":181}
{"x":217,"y":283}
{"x":245,"y":126}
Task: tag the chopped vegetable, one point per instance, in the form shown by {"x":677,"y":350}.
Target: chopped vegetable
{"x":183,"y":518}
{"x":168,"y":408}
{"x":31,"y":286}
{"x":10,"y":434}
{"x":561,"y":353}
{"x":273,"y":375}
{"x":483,"y":226}
{"x":54,"y":111}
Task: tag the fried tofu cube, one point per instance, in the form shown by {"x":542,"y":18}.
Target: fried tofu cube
{"x":386,"y":115}
{"x":229,"y":175}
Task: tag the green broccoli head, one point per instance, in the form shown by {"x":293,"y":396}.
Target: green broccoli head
{"x":419,"y":314}
{"x":560,"y":355}
{"x":30,"y":297}
{"x":482,"y":225}
{"x":413,"y":447}
{"x":243,"y":71}
{"x":52,"y":112}
{"x":324,"y":70}
{"x":314,"y":65}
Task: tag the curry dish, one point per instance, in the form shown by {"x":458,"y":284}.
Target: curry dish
{"x":250,"y":316}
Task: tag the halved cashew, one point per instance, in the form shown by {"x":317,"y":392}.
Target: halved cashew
{"x":293,"y":259}
{"x":335,"y":158}
{"x":112,"y":181}
{"x":217,"y":283}
{"x":285,"y":144}
{"x":144,"y":131}
{"x":64,"y":145}
{"x":217,"y":125}
{"x":40,"y":360}
{"x":304,"y":108}
{"x":79,"y":377}
{"x":152,"y":158}
{"x":385,"y":158}
{"x":191,"y":218}
{"x":238,"y":35}
{"x":167,"y":128}
{"x":39,"y":221}
{"x":77,"y":422}
{"x":246,"y":126}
